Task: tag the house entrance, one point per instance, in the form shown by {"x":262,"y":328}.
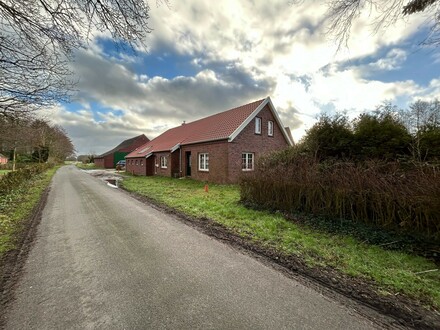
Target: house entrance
{"x":188,"y":163}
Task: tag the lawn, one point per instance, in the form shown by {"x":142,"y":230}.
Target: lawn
{"x":394,"y":272}
{"x":3,"y":172}
{"x":18,"y":206}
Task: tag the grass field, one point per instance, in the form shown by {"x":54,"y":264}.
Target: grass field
{"x":394,"y":272}
{"x":89,"y":166}
{"x":18,"y":205}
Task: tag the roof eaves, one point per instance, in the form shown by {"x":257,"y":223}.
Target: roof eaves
{"x":278,"y":119}
{"x":177,"y":146}
{"x":204,"y":141}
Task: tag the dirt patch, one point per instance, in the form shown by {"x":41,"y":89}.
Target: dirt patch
{"x":392,"y":311}
{"x":12,"y":262}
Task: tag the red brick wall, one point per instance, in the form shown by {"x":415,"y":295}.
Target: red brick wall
{"x":163,"y":171}
{"x":99,"y":162}
{"x":109,"y":161}
{"x":218,"y":161}
{"x":104,"y":162}
{"x":136,"y":166}
{"x":259,"y":144}
{"x":175,"y":161}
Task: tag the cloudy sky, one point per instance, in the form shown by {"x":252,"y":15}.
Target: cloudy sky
{"x":209,"y":56}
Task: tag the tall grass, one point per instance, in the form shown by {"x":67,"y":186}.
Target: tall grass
{"x":389,"y":195}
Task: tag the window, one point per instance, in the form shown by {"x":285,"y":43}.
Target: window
{"x":270,"y":128}
{"x":142,"y":163}
{"x":204,"y":162}
{"x":257,"y":125}
{"x":163,"y":162}
{"x":136,"y":162}
{"x":247,"y":161}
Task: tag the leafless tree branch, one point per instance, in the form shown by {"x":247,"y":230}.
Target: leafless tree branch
{"x":37,"y":39}
{"x":343,"y":13}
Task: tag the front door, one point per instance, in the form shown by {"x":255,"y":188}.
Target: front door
{"x":188,"y":163}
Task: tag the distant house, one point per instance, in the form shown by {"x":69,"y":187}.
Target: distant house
{"x":3,"y":159}
{"x":218,"y":148}
{"x":111,"y":157}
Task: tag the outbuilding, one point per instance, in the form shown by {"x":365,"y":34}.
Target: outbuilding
{"x":111,"y":157}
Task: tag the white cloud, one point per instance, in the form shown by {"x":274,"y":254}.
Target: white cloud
{"x":241,"y":51}
{"x":391,"y":61}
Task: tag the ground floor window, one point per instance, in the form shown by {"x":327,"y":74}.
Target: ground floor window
{"x":204,"y":162}
{"x":247,"y":161}
{"x":163,"y":162}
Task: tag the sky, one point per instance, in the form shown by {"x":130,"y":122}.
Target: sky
{"x":205,"y":57}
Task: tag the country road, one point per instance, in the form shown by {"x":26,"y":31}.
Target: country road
{"x":103,"y":260}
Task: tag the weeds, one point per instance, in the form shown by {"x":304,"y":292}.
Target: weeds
{"x":17,"y":205}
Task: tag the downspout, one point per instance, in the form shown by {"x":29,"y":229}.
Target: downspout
{"x":180,"y":161}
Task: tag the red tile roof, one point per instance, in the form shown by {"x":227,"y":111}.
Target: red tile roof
{"x":216,"y":127}
{"x":127,"y":145}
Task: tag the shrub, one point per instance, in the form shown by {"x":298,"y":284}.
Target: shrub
{"x":13,"y":180}
{"x":388,"y":194}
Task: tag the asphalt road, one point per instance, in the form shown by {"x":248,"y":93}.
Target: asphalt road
{"x":103,"y":260}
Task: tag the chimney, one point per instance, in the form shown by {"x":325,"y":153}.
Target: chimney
{"x":183,"y":123}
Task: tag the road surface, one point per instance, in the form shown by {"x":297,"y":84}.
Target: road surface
{"x":103,"y":260}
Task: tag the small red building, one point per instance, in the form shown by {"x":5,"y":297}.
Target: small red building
{"x":111,"y":157}
{"x":218,"y":148}
{"x":3,"y":159}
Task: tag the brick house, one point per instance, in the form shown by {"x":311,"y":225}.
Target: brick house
{"x":218,"y":148}
{"x":3,"y":159}
{"x":111,"y":157}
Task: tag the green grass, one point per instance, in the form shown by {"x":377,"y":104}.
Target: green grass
{"x":3,"y":172}
{"x":393,"y":271}
{"x":89,"y":166}
{"x":18,"y":205}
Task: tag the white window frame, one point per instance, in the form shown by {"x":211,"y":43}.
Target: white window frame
{"x":258,"y":122}
{"x":270,"y":128}
{"x":163,"y":162}
{"x":245,"y":157}
{"x":203,"y":161}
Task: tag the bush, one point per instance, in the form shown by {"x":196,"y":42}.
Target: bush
{"x":13,"y":180}
{"x":387,"y":194}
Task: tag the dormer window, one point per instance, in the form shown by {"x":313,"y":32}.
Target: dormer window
{"x":257,"y":125}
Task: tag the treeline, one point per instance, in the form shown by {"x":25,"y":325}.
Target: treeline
{"x":33,"y":140}
{"x":388,"y":133}
{"x":381,"y":168}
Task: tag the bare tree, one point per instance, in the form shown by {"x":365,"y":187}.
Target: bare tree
{"x":37,"y":39}
{"x":342,"y":14}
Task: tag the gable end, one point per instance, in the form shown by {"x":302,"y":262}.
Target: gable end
{"x":267,"y":101}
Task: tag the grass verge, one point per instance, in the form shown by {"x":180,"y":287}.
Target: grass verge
{"x":393,"y":272}
{"x":18,"y":205}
